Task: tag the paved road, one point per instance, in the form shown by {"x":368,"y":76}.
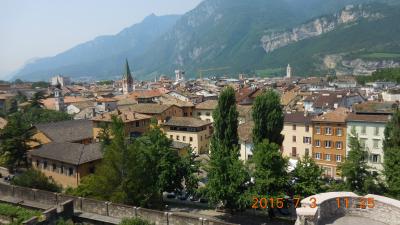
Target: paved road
{"x":350,"y":220}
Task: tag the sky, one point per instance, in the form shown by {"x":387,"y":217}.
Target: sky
{"x":41,"y":28}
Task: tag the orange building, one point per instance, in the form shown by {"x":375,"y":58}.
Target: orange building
{"x":329,"y":141}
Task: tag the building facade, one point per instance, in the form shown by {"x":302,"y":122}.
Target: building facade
{"x":370,"y":130}
{"x":189,"y":130}
{"x":329,"y":141}
{"x":297,"y":132}
{"x":205,"y":110}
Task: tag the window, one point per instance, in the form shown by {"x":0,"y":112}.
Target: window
{"x":294,"y":151}
{"x":328,"y":130}
{"x":307,"y":128}
{"x":37,"y":163}
{"x":375,"y":158}
{"x":171,"y":136}
{"x":328,"y":157}
{"x":339,"y":145}
{"x":201,"y":138}
{"x":363,"y":130}
{"x":199,"y":113}
{"x":376,"y":143}
{"x":184,"y":138}
{"x":318,"y":155}
{"x":339,"y":132}
{"x":376,"y":131}
{"x":185,"y":114}
{"x":45,"y":165}
{"x":208,"y":114}
{"x":328,"y":144}
{"x":317,"y":143}
{"x":318,"y":130}
{"x":362,"y":142}
{"x":177,"y":137}
{"x":62,"y":169}
{"x":338,"y":158}
{"x":294,"y":138}
{"x":70,"y":171}
{"x":307,"y":140}
{"x":307,"y":152}
{"x":137,"y":124}
{"x":190,"y":139}
{"x":54,"y":167}
{"x":294,"y":127}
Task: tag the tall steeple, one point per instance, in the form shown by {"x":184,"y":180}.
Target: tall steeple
{"x":127,"y":80}
{"x":288,"y":71}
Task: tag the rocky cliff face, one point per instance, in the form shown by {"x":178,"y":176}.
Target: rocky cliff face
{"x":357,"y":66}
{"x":317,"y":27}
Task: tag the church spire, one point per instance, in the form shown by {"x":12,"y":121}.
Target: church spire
{"x":127,"y":80}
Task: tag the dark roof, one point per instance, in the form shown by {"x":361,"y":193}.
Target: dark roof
{"x":375,"y":107}
{"x":298,"y":117}
{"x":71,"y":153}
{"x":186,"y":122}
{"x":67,"y":131}
{"x":179,"y":145}
{"x":367,"y":118}
{"x":337,"y":116}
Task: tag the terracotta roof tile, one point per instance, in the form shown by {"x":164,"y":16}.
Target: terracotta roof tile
{"x":339,"y":116}
{"x":186,"y":122}
{"x":207,"y":105}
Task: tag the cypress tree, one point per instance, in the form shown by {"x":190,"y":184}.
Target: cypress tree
{"x":391,"y":148}
{"x":268,"y":118}
{"x":226,"y":173}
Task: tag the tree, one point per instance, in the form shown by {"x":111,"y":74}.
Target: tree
{"x":36,"y":179}
{"x":14,"y":140}
{"x":36,"y":101}
{"x":355,"y":168}
{"x":307,"y":177}
{"x":137,"y":171}
{"x":190,"y":167}
{"x":391,"y":148}
{"x":268,"y":118}
{"x":270,"y":175}
{"x":226,"y":173}
{"x":226,"y":119}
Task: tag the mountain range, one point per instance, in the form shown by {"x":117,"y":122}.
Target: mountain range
{"x":256,"y":37}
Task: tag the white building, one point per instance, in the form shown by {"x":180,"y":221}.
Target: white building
{"x":370,"y":130}
{"x":288,"y":71}
{"x":391,"y":96}
{"x":205,"y":109}
{"x":63,"y":81}
{"x":179,"y":75}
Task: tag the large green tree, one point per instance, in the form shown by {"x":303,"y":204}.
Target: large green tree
{"x":268,"y":118}
{"x":226,"y":173}
{"x":269,"y":170}
{"x":138,"y":171}
{"x":13,"y":145}
{"x":307,"y":177}
{"x":391,"y":149}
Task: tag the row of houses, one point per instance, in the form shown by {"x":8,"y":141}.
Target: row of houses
{"x":325,"y":138}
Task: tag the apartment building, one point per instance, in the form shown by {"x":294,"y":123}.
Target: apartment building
{"x":205,"y":110}
{"x":297,"y":132}
{"x":135,"y":123}
{"x":189,"y":130}
{"x":329,"y":141}
{"x":370,"y":130}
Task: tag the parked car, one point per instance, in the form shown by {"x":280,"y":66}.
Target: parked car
{"x":171,"y":195}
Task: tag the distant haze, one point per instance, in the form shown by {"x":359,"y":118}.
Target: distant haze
{"x":40,"y":28}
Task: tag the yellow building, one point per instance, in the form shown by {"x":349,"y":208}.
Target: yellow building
{"x":329,"y":141}
{"x":205,"y":109}
{"x":135,"y":123}
{"x":189,"y":130}
{"x":66,"y":163}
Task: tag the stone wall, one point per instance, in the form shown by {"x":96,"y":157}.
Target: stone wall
{"x":381,"y":209}
{"x":71,"y":204}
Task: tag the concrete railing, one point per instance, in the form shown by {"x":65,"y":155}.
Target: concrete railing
{"x":327,"y":206}
{"x":103,"y":208}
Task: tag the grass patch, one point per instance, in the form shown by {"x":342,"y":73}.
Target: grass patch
{"x":17,"y":214}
